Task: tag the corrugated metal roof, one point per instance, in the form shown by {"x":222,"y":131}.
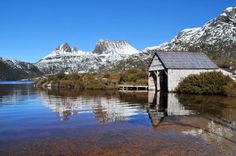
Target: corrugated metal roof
{"x":186,"y":60}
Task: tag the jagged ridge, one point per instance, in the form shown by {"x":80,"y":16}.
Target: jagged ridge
{"x":67,"y":59}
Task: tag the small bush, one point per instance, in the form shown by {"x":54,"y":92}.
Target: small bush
{"x":60,"y":76}
{"x":230,"y":89}
{"x":209,"y":83}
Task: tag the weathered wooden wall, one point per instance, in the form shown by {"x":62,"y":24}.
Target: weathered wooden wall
{"x":156,"y":64}
{"x":154,"y":67}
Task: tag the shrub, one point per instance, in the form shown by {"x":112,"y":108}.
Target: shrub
{"x":230,"y":89}
{"x":208,"y":83}
{"x":73,"y":76}
{"x":95,"y":85}
{"x":133,"y":76}
{"x":142,"y":82}
{"x":60,"y":76}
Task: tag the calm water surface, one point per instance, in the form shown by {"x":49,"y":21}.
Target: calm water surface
{"x":65,"y":122}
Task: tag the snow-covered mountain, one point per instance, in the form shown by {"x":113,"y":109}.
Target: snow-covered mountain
{"x":67,"y":59}
{"x":217,"y":35}
{"x":64,"y":50}
{"x":14,"y":70}
{"x":116,"y":47}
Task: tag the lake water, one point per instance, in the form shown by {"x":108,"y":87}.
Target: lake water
{"x":15,"y":82}
{"x":67,"y":122}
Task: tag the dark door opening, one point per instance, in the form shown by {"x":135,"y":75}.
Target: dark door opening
{"x":163,"y":80}
{"x":157,"y":109}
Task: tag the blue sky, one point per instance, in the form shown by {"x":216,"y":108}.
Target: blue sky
{"x":30,"y":29}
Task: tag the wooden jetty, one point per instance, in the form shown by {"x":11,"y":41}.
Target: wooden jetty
{"x":132,"y":87}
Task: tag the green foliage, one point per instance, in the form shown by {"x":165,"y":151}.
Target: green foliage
{"x":58,"y":76}
{"x":209,"y":83}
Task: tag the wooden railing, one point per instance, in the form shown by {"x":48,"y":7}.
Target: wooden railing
{"x":132,"y":87}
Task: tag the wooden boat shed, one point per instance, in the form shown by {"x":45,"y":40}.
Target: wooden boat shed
{"x":167,"y":69}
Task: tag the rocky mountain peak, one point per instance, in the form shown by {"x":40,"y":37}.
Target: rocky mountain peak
{"x":65,"y":47}
{"x":119,"y":46}
{"x":65,"y":58}
{"x":228,"y":16}
{"x":62,"y":50}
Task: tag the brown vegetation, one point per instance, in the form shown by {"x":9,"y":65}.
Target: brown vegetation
{"x":95,"y":81}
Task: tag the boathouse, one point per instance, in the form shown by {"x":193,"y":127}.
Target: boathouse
{"x":167,"y":69}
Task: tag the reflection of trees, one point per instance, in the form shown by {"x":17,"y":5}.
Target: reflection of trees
{"x":134,"y":97}
{"x":137,"y":97}
{"x":219,"y":107}
{"x":76,"y":93}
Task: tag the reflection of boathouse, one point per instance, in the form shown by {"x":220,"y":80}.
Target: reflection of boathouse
{"x":167,"y":69}
{"x":167,"y":111}
{"x":161,"y":105}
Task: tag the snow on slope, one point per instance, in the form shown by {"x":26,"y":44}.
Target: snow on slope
{"x":217,"y":35}
{"x":65,"y":50}
{"x":112,"y":51}
{"x":67,"y":59}
{"x":121,"y":47}
{"x":14,"y":64}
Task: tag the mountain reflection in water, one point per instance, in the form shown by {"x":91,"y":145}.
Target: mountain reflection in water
{"x":119,"y":123}
{"x":188,"y":114}
{"x":106,"y":106}
{"x":114,"y":106}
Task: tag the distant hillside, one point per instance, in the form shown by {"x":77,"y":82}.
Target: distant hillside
{"x":217,"y":38}
{"x":16,"y":70}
